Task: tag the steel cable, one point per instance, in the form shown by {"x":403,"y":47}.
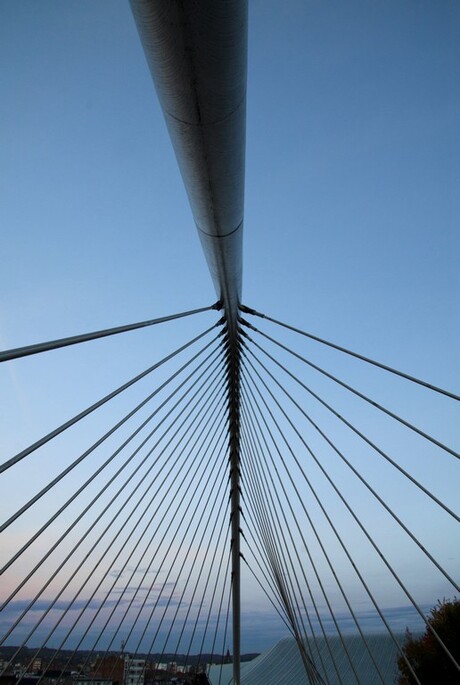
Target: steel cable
{"x":221,"y":601}
{"x":356,"y":431}
{"x":117,"y":451}
{"x":218,"y":498}
{"x":160,"y":593}
{"x":339,"y":632}
{"x":124,"y":566}
{"x":390,"y":568}
{"x":71,"y":422}
{"x":413,"y":379}
{"x":218,"y":545}
{"x":278,"y":546}
{"x":356,"y":392}
{"x":213,"y":595}
{"x":334,"y":530}
{"x":112,"y":521}
{"x":258,"y":451}
{"x":178,"y":528}
{"x":127,"y":584}
{"x":8,"y":355}
{"x":122,"y":569}
{"x":317,"y":613}
{"x":357,"y":474}
{"x":93,"y":547}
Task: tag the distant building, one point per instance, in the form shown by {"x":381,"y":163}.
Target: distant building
{"x":161,"y":666}
{"x":3,"y":664}
{"x":36,"y":665}
{"x":134,"y":671}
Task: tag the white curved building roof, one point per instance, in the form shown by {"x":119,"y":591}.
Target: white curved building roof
{"x":283,"y":665}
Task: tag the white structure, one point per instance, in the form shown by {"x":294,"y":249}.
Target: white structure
{"x":134,"y":671}
{"x":282,"y":663}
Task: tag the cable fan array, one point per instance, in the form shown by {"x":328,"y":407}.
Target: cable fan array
{"x":328,"y":505}
{"x":128,"y":542}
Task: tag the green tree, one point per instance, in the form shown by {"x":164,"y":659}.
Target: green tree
{"x":426,"y":656}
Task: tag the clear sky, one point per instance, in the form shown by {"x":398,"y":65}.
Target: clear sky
{"x":352,"y":200}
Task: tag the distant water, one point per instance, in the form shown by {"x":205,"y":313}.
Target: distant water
{"x":283,"y":665}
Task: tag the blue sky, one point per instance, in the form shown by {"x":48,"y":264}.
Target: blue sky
{"x":352,"y":203}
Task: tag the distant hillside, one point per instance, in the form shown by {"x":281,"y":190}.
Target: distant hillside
{"x":46,"y":654}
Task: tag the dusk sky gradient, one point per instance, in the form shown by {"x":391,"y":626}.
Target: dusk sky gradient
{"x":351,"y":223}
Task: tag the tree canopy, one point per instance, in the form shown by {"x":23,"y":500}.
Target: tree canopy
{"x":428,"y":659}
